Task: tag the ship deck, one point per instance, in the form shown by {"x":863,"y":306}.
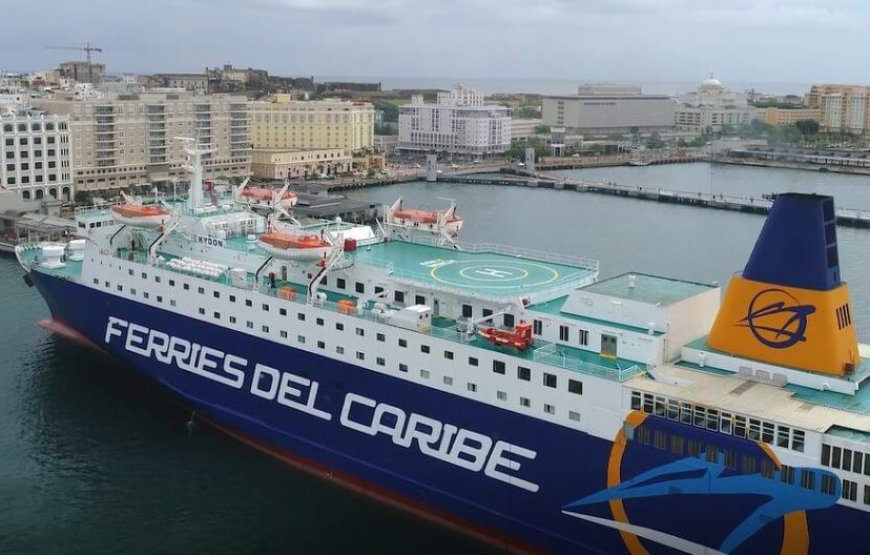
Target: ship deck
{"x":478,"y":271}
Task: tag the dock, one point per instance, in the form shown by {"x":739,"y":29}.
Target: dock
{"x":849,"y":217}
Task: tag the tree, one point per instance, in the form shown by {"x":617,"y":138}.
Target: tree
{"x":597,"y":149}
{"x":655,"y":141}
{"x":542,"y":128}
{"x":518,"y":149}
{"x":529,"y":112}
{"x":390,"y":110}
{"x":82,"y":198}
{"x":807,"y":127}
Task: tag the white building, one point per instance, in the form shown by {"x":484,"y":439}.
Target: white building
{"x":458,"y":123}
{"x":36,"y":156}
{"x":600,"y":111}
{"x":710,"y":107}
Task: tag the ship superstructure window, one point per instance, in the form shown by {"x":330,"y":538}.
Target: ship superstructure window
{"x":339,"y":326}
{"x":472,"y":361}
{"x":265,"y":307}
{"x":501,"y":395}
{"x":498,"y":367}
{"x":448,"y":355}
{"x":850,"y":490}
{"x":186,"y":286}
{"x":549,"y":380}
{"x":524,"y":373}
{"x":575,"y":386}
{"x":217,"y":315}
{"x":424,"y":374}
{"x":232,"y":298}
{"x":200,"y":290}
{"x":419,"y":299}
{"x":403,"y":367}
{"x":360,"y":287}
{"x":340,"y":350}
{"x":282,"y":311}
{"x":472,"y":387}
{"x":319,"y":321}
{"x":340,"y":283}
{"x":248,"y":302}
{"x":424,"y":349}
{"x":467,"y":311}
{"x":549,"y":409}
{"x":525,"y":402}
{"x":360,"y":332}
{"x":283,"y":334}
{"x":249,"y":324}
{"x":399,"y":296}
{"x":537,"y":327}
{"x":575,"y":417}
{"x":829,"y":485}
{"x":300,"y":339}
{"x":448,"y":380}
{"x":300,"y":316}
{"x":380,"y":361}
{"x":563,"y":333}
{"x":381,"y":337}
{"x":403,"y":343}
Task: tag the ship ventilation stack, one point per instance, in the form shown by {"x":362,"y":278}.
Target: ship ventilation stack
{"x":789,"y":306}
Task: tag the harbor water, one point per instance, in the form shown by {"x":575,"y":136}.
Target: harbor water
{"x":94,"y":459}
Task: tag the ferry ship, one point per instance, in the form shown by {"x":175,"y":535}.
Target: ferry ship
{"x":503,"y":392}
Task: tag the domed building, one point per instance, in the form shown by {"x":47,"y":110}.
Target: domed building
{"x":711,"y":107}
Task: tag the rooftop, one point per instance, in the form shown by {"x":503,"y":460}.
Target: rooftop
{"x":648,"y":289}
{"x":483,"y":270}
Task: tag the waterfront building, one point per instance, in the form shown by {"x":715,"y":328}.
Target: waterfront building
{"x":127,"y":140}
{"x":291,"y":164}
{"x":785,"y":116}
{"x":36,"y":160}
{"x":287,"y":124}
{"x":457,"y":123}
{"x":711,"y":107}
{"x":524,"y":128}
{"x":842,"y":108}
{"x":606,"y":109}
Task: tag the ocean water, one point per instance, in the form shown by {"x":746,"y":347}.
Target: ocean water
{"x":94,"y":459}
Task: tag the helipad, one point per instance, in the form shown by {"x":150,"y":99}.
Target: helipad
{"x":491,"y":274}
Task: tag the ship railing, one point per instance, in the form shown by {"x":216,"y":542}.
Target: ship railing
{"x":553,"y":355}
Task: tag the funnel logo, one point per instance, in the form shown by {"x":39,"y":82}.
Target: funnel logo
{"x":777,"y":319}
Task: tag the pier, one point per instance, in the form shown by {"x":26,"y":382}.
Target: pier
{"x":849,"y":217}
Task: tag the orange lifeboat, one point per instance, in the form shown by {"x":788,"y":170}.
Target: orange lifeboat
{"x":519,"y":338}
{"x":140,"y":215}
{"x":294,"y":247}
{"x":426,"y":220}
{"x":265,"y":196}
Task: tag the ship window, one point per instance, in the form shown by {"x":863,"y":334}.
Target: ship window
{"x":448,"y":355}
{"x":144,"y":293}
{"x":525,"y":402}
{"x":739,"y":425}
{"x":265,"y":306}
{"x":403,"y":343}
{"x":186,"y":286}
{"x":867,"y":495}
{"x":319,"y":321}
{"x":766,"y":469}
{"x":563,"y":333}
{"x":574,"y":416}
{"x":508,"y":320}
{"x":130,"y":271}
{"x":725,"y":423}
{"x":380,"y":337}
{"x":216,"y":294}
{"x":549,"y":380}
{"x":171,"y":282}
{"x":549,"y":409}
{"x":472,"y":387}
{"x":232,"y":319}
{"x":399,"y":296}
{"x":686,"y":413}
{"x":300,"y":316}
{"x":836,"y":453}
{"x":677,"y":445}
{"x":424,"y":349}
{"x":282,"y":311}
{"x":635,"y":400}
{"x":754,"y":429}
{"x":360,"y":287}
{"x":797,"y":441}
{"x":265,"y":329}
{"x":202,"y":311}
{"x":157,"y":279}
{"x":659,"y":409}
{"x":829,"y":485}
{"x":673,"y":410}
{"x":340,"y":283}
{"x":487,"y":312}
{"x":419,"y":299}
{"x":847,"y":460}
{"x":360,"y":332}
{"x":96,"y":281}
{"x":120,"y":287}
{"x":283,"y":333}
{"x":700,"y":416}
{"x":713,"y":420}
{"x":647,"y":403}
{"x":850,"y":490}
{"x":201,"y":291}
{"x":786,"y":474}
{"x":339,"y":349}
{"x":498,"y":367}
{"x":731,"y":459}
{"x":378,"y":289}
{"x":424,"y":374}
{"x":144,"y":275}
{"x":247,"y":301}
{"x":826,"y":455}
{"x":472,"y":361}
{"x":217,"y":315}
{"x":584,"y":337}
{"x":232,"y":298}
{"x":808,"y":479}
{"x":300,"y":339}
{"x":501,"y":395}
{"x":767,"y":432}
{"x":782,"y":434}
{"x":524,"y":373}
{"x":380,"y":361}
{"x":467,"y":311}
{"x":339,"y":326}
{"x":537,"y":327}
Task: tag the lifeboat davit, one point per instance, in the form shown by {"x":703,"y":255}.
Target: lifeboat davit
{"x":265,"y":196}
{"x":291,"y":246}
{"x":426,"y":219}
{"x":519,"y":338}
{"x":140,"y":215}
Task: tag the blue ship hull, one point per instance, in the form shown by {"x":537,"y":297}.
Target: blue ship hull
{"x":569,"y":469}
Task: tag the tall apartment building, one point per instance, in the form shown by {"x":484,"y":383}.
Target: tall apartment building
{"x":842,"y":108}
{"x":287,"y":124}
{"x":130,"y":139}
{"x":36,"y":156}
{"x":458,"y":123}
{"x":784,"y":116}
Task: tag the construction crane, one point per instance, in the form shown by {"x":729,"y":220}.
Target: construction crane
{"x":87,"y":49}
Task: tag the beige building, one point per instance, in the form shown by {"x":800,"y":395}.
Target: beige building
{"x":36,"y":156}
{"x":128,"y":140}
{"x":287,"y":124}
{"x":290,"y":164}
{"x":842,"y":108}
{"x":786,"y":116}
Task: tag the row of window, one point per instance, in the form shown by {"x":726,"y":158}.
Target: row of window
{"x":845,"y":459}
{"x":498,"y":366}
{"x":10,"y":154}
{"x":22,"y":127}
{"x":749,"y":464}
{"x":719,"y":421}
{"x":850,"y":492}
{"x":23,"y":141}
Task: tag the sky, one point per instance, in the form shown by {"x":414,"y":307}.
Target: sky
{"x":782,"y":41}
